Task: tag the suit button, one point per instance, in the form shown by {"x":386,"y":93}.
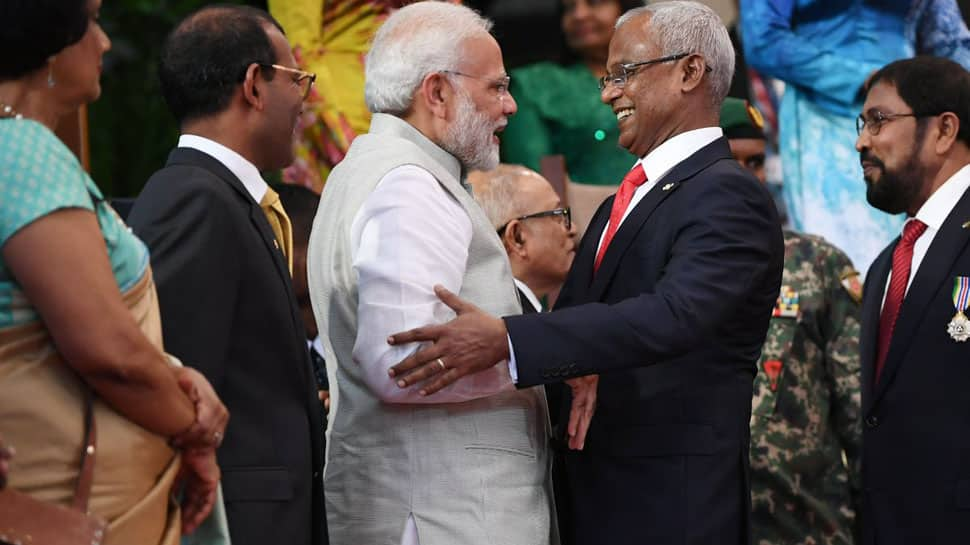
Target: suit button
{"x":872,"y":421}
{"x":316,"y":474}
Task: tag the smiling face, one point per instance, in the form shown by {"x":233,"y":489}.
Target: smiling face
{"x":481,"y":105}
{"x":77,"y":68}
{"x":892,"y":161}
{"x":588,"y":25}
{"x":647,"y":106}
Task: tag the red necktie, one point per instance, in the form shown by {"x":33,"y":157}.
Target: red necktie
{"x":902,"y":262}
{"x":633,"y":179}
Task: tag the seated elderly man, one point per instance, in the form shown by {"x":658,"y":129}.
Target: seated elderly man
{"x":535,"y":229}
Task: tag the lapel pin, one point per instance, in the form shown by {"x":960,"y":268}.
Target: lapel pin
{"x":671,"y":184}
{"x":966,"y":225}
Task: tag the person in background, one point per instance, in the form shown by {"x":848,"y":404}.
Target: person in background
{"x":535,"y":229}
{"x":824,"y":50}
{"x":914,"y":147}
{"x":78,"y":310}
{"x":560,"y":112}
{"x":301,"y":205}
{"x":221,"y":244}
{"x":540,"y":240}
{"x":806,"y":424}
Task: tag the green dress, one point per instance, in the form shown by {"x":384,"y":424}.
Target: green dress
{"x":560,"y":113}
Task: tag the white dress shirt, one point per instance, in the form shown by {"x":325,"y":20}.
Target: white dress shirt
{"x":933,"y":213}
{"x":532,"y":299}
{"x":241,"y":168}
{"x":409,"y":235}
{"x":656,"y":165}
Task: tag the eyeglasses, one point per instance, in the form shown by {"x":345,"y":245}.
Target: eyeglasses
{"x":877,"y":119}
{"x":301,"y":78}
{"x":564,"y":213}
{"x":498,"y":86}
{"x":620,"y":78}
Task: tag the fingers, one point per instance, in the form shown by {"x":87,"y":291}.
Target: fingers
{"x":196,"y":506}
{"x":582,"y":410}
{"x":418,"y":334}
{"x":454,"y":302}
{"x":416,"y":363}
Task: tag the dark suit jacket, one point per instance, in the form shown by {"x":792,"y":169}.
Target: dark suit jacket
{"x":915,"y":440}
{"x":228,"y":310}
{"x":673,"y":321}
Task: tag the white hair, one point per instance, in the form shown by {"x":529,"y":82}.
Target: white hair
{"x":682,"y":26}
{"x":416,"y":40}
{"x":498,"y":192}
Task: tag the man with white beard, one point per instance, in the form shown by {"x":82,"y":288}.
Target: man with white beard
{"x":395,"y":219}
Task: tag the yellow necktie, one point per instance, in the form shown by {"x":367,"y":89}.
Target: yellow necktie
{"x":280,"y":223}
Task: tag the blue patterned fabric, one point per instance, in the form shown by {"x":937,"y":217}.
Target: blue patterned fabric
{"x":39,"y":175}
{"x":824,"y":50}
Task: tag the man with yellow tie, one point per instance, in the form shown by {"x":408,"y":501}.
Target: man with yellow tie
{"x":221,"y":247}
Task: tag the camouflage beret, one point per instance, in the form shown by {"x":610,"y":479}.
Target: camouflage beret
{"x":739,"y":119}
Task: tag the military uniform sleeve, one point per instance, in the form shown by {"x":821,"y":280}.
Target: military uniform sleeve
{"x":841,"y":330}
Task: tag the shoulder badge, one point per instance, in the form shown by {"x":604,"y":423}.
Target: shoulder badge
{"x":852,"y":285}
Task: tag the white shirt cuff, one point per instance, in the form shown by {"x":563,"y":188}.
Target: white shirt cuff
{"x":513,"y":370}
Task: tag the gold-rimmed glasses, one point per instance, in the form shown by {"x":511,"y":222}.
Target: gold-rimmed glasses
{"x":301,"y":78}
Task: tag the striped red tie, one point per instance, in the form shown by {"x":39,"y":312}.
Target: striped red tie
{"x":633,"y":179}
{"x":902,"y":262}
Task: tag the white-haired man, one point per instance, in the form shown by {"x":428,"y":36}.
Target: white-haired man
{"x":669,"y":299}
{"x":470,"y":466}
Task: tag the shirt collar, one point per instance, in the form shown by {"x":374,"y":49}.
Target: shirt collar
{"x":936,"y":208}
{"x":528,"y":294}
{"x":675,"y":150}
{"x":241,"y":168}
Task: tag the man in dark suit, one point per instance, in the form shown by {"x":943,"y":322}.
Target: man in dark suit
{"x":221,"y":262}
{"x":668,"y":299}
{"x":914,"y":145}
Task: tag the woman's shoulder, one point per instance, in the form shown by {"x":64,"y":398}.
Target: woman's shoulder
{"x":28,"y":147}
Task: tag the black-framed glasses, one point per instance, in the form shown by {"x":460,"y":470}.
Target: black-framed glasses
{"x":301,"y":78}
{"x":564,"y":213}
{"x":620,"y":78}
{"x":499,"y":86}
{"x":876,"y":119}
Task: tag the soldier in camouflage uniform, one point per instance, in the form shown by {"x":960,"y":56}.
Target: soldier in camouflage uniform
{"x":806,"y":429}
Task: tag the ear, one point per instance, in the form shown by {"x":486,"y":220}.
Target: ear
{"x":435,"y":92}
{"x":949,"y":127}
{"x":512,"y":238}
{"x":253,"y":87}
{"x":694,"y":69}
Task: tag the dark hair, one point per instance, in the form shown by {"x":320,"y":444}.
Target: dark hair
{"x":569,"y":56}
{"x":33,"y":30}
{"x":300,"y":204}
{"x":206,"y":56}
{"x":930,"y":86}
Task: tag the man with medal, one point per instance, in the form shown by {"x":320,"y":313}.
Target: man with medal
{"x":914,"y":146}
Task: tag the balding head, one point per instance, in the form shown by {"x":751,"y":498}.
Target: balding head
{"x":526,"y":211}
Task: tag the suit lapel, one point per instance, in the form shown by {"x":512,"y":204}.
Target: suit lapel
{"x":197,"y":158}
{"x":576,"y":286}
{"x":871,"y":308}
{"x":664,"y":187}
{"x":935,"y":270}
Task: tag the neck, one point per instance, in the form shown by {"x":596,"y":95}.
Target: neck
{"x":31,"y":98}
{"x":950,"y":166}
{"x":426,"y":123}
{"x":596,"y":64}
{"x":535,"y":283}
{"x":225,"y":131}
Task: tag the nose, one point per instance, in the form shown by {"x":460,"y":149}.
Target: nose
{"x":105,"y":40}
{"x":862,"y":141}
{"x":609,"y":93}
{"x":509,"y":107}
{"x":580,"y":9}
